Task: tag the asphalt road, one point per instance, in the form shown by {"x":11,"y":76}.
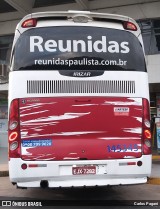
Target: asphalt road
{"x":83,"y":197}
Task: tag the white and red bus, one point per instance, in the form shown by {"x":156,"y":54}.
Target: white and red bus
{"x":78,"y":101}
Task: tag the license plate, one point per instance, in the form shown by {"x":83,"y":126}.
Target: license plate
{"x":84,"y":170}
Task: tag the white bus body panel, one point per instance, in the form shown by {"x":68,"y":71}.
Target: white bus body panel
{"x":59,"y":173}
{"x":18,"y":79}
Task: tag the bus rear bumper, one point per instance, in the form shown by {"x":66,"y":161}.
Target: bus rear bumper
{"x":63,"y":182}
{"x":60,"y":173}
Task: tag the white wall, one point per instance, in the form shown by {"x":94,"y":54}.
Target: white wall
{"x":3,"y":139}
{"x":3,"y":132}
{"x":8,"y":27}
{"x":3,"y":87}
{"x":153,"y":65}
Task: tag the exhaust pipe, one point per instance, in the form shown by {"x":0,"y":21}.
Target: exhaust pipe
{"x":44,"y":184}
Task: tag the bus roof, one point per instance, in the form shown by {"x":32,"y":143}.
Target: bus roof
{"x":71,"y":14}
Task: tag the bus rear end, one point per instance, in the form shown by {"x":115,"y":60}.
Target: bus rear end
{"x":79,"y":104}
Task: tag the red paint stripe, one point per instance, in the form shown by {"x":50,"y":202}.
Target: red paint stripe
{"x":33,"y":165}
{"x":131,"y":163}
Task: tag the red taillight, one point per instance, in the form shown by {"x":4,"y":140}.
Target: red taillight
{"x":29,"y":23}
{"x":129,"y":26}
{"x":146,"y":136}
{"x":13,"y":136}
{"x":13,"y":113}
{"x":131,"y":163}
{"x":33,"y":165}
{"x":14,"y":130}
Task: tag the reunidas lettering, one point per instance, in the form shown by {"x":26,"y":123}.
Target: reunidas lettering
{"x":37,"y":43}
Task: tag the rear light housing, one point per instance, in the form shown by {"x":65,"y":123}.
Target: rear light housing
{"x":14,"y":130}
{"x":13,"y":145}
{"x":146,"y":134}
{"x":129,"y":26}
{"x":13,"y":125}
{"x":29,"y":23}
{"x":24,"y":166}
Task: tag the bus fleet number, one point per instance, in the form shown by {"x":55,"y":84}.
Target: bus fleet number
{"x":122,"y":148}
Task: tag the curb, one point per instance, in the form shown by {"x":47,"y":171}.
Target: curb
{"x":155,"y":157}
{"x":154,"y":181}
{"x":4,"y":173}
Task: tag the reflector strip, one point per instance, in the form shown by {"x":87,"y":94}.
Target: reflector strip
{"x":127,"y":163}
{"x":131,"y":163}
{"x":36,"y":165}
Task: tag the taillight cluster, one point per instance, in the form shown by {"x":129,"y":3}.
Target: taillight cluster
{"x":129,"y":26}
{"x":29,"y":23}
{"x":146,"y":135}
{"x":14,"y":130}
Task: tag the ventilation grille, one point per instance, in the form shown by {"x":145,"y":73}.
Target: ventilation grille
{"x":70,"y":86}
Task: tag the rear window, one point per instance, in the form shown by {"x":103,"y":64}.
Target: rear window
{"x":74,"y":48}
